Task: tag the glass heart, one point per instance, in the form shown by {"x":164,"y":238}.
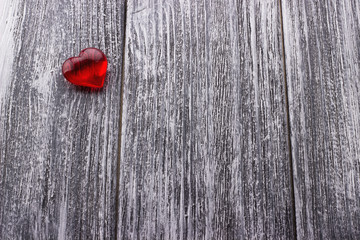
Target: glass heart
{"x":88,"y":69}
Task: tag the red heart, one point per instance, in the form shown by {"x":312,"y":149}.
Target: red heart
{"x":87,"y":70}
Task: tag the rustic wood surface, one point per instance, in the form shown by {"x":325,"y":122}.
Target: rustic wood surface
{"x":58,"y":142}
{"x":322,"y":48}
{"x":204,"y":138}
{"x":219,"y":119}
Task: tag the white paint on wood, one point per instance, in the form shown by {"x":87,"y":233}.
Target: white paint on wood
{"x":8,"y":17}
{"x":60,"y":142}
{"x":204,"y":138}
{"x":204,"y":149}
{"x":322,"y":48}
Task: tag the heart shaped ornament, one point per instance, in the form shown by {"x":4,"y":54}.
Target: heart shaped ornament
{"x":88,"y":69}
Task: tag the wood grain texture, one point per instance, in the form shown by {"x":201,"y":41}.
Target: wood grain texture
{"x":204,"y":151}
{"x":58,"y":142}
{"x":322,"y":48}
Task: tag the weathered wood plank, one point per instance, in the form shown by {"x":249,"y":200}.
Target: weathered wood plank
{"x":58,"y":142}
{"x":322,"y":47}
{"x":204,"y":150}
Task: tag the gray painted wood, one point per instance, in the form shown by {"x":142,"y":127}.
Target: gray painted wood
{"x":322,"y":48}
{"x":204,"y":152}
{"x":58,"y":142}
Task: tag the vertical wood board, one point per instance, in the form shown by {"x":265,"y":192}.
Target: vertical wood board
{"x":58,"y":142}
{"x":322,"y":48}
{"x":204,"y":151}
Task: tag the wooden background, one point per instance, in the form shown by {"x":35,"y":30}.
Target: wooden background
{"x":219,"y":119}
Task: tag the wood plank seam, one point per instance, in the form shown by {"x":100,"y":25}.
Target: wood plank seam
{"x":288,"y":123}
{"x":117,"y":212}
